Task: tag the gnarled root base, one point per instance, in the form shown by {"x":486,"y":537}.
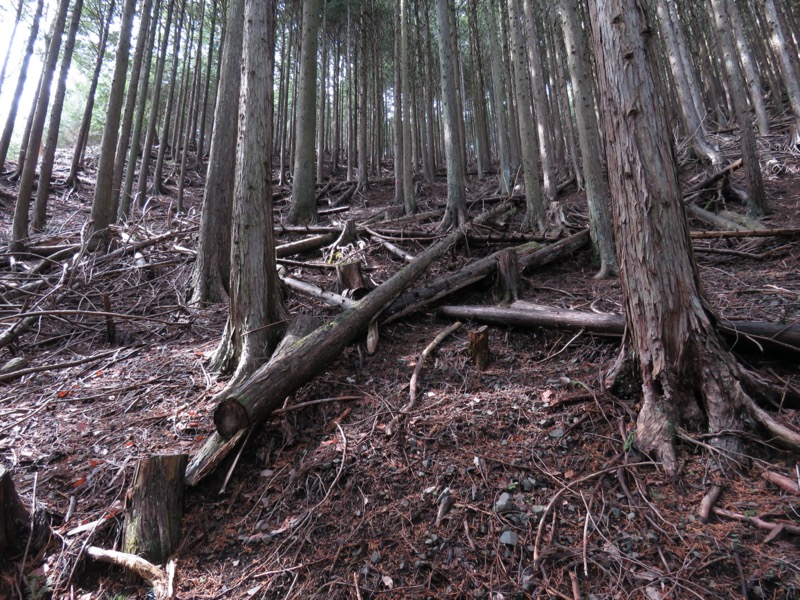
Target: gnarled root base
{"x":709,"y":392}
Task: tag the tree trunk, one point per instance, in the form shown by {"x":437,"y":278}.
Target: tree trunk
{"x":256,"y":304}
{"x":791,"y":77}
{"x":17,"y":15}
{"x":323,"y":74}
{"x":155,"y":101}
{"x":103,"y":209}
{"x":304,"y":206}
{"x":11,"y":119}
{"x":540,"y":103}
{"x":19,"y":228}
{"x":756,"y":200}
{"x":534,"y":203}
{"x":86,"y":121}
{"x":155,"y":187}
{"x":211,"y":274}
{"x":598,"y":195}
{"x":409,"y":197}
{"x":455,"y":213}
{"x":687,"y":375}
{"x":14,"y":518}
{"x":362,"y":63}
{"x":692,"y":119}
{"x":500,"y":114}
{"x":478,"y":94}
{"x":135,"y":102}
{"x":48,"y":158}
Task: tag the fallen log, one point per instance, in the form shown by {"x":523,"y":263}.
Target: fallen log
{"x":264,"y":391}
{"x":304,"y":245}
{"x":528,"y":255}
{"x":780,"y":337}
{"x":747,"y":233}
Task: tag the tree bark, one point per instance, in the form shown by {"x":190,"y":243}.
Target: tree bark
{"x":256,"y":304}
{"x":455,"y":213}
{"x":304,"y":206}
{"x":211,"y":275}
{"x":103,"y":208}
{"x":86,"y":121}
{"x":687,"y":375}
{"x":48,"y":158}
{"x":154,"y":508}
{"x":598,"y":195}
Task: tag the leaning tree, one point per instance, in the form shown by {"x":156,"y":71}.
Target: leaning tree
{"x":689,"y":377}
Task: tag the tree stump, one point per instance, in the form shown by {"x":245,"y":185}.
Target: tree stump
{"x":506,"y":283}
{"x":154,"y":507}
{"x":14,"y":518}
{"x":350,"y":281}
{"x":479,"y":347}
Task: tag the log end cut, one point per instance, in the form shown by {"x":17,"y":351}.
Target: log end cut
{"x":230,"y":417}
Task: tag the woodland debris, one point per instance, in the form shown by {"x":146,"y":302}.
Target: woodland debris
{"x":479,"y":347}
{"x":776,"y":337}
{"x":160,"y":581}
{"x":263,"y":391}
{"x":397,"y":421}
{"x":787,"y":484}
{"x":528,"y":255}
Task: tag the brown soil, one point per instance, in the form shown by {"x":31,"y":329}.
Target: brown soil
{"x":321,"y":503}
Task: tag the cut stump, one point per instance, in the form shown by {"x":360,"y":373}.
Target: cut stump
{"x":154,"y":507}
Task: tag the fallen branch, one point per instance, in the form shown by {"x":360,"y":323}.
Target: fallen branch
{"x":155,"y":577}
{"x":412,"y":402}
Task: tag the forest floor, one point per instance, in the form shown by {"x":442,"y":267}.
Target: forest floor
{"x":321,"y":502}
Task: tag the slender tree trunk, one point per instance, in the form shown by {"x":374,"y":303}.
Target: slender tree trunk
{"x":756,"y":201}
{"x":455,"y":214}
{"x":86,"y":121}
{"x":256,"y":304}
{"x":201,"y":136}
{"x":337,"y":112}
{"x":103,"y":209}
{"x":323,"y":72}
{"x":211,"y":275}
{"x":304,"y":203}
{"x":535,"y":207}
{"x":692,"y":119}
{"x":48,"y":158}
{"x":8,"y":130}
{"x":409,"y":198}
{"x":500,"y":114}
{"x":17,"y":15}
{"x":750,"y":71}
{"x":155,"y":101}
{"x":136,"y":102}
{"x":791,"y":76}
{"x":19,"y":227}
{"x":598,"y":195}
{"x":540,"y":104}
{"x":482,"y":145}
{"x":156,"y":187}
{"x":363,"y":178}
{"x":398,"y":106}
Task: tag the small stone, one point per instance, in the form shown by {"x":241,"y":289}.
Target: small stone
{"x":426,"y":464}
{"x":527,"y":484}
{"x":558,"y":432}
{"x":375,"y":557}
{"x":509,"y":538}
{"x":504,"y":503}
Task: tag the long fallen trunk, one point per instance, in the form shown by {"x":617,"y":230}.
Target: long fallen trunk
{"x":529,"y":255}
{"x":302,"y":361}
{"x":521,"y":314}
